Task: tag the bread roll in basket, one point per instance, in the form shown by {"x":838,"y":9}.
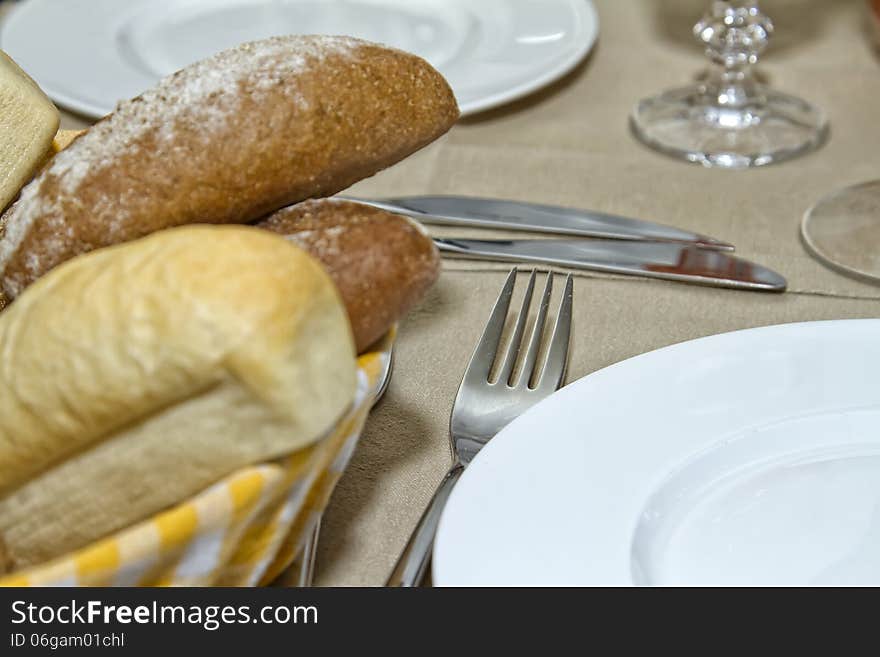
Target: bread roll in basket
{"x":195,"y":444}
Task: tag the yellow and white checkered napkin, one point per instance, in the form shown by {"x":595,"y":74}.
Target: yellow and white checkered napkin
{"x":243,"y":531}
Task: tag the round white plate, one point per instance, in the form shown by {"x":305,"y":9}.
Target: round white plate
{"x":740,"y":459}
{"x":90,"y":54}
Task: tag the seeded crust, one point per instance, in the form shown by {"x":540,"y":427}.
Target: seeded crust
{"x":227,"y":140}
{"x":381,"y":263}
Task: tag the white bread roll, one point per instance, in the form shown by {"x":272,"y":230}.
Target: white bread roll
{"x":135,"y":376}
{"x":28,"y":121}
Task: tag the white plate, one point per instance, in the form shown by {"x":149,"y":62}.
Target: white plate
{"x":745,"y":458}
{"x":90,"y":54}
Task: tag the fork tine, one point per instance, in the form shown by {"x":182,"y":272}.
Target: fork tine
{"x":528,"y":373}
{"x":504,"y":375}
{"x":481,"y":362}
{"x":557,"y":356}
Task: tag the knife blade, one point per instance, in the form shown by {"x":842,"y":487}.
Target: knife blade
{"x":515,"y":215}
{"x":675,"y":262}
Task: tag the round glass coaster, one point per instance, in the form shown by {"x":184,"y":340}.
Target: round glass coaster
{"x":843,"y":231}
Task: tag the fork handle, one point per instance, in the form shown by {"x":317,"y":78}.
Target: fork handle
{"x":413,"y":562}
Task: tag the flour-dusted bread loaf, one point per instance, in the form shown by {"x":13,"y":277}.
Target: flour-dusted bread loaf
{"x":135,"y":376}
{"x":382,"y":263}
{"x":228,"y":140}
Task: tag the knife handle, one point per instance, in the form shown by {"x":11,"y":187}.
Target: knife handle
{"x":413,"y":562}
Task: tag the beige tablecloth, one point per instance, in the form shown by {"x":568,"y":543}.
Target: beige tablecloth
{"x":570,"y":145}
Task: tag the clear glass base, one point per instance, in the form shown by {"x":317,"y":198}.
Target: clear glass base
{"x":696,"y":125}
{"x":843,"y":231}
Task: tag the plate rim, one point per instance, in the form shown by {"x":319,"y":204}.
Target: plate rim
{"x":551,"y":76}
{"x":585,"y":9}
{"x":440,"y":572}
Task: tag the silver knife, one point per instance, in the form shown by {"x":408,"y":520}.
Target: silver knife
{"x":516,"y":215}
{"x":675,"y":262}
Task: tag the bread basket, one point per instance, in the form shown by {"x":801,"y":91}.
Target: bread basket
{"x":243,"y":531}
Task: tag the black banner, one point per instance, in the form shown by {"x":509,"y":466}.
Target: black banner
{"x":278,"y":621}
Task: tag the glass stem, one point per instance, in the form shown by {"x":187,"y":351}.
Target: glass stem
{"x":734,"y":88}
{"x":734,"y":34}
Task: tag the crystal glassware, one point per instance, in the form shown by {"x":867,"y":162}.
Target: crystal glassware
{"x":730,"y":119}
{"x":843,"y":230}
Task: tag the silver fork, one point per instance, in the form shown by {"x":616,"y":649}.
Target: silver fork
{"x":483,"y":407}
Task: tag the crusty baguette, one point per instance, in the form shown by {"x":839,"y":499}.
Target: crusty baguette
{"x":137,"y":375}
{"x":382,"y":263}
{"x":227,"y":140}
